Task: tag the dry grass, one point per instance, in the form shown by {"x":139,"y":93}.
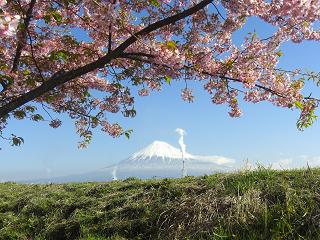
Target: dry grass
{"x":262,"y":204}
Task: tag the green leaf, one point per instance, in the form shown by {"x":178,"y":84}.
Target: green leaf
{"x":254,"y":36}
{"x":49,"y":98}
{"x":19,"y":114}
{"x":167,"y":79}
{"x":310,"y":119}
{"x":52,"y":15}
{"x":37,"y":117}
{"x":94,"y":122}
{"x":86,"y":94}
{"x":136,"y":81}
{"x":62,"y":55}
{"x":171,"y":45}
{"x":279,"y":53}
{"x":155,"y":3}
{"x":16,"y":141}
{"x":59,"y":55}
{"x":298,"y":105}
{"x":228,"y":64}
{"x":128,"y":133}
{"x":30,"y":108}
{"x":130,"y":113}
{"x":26,"y":72}
{"x":47,"y":19}
{"x":57,"y":16}
{"x":118,"y":85}
{"x":69,"y":2}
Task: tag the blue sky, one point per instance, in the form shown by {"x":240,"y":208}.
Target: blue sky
{"x":264,"y":134}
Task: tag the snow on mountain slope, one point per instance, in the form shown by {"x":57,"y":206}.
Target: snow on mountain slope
{"x":160,"y":152}
{"x":159,"y":149}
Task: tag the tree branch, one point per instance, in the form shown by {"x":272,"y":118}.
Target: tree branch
{"x":60,"y":79}
{"x":33,"y":56}
{"x":22,"y":36}
{"x":135,"y":57}
{"x":110,"y":39}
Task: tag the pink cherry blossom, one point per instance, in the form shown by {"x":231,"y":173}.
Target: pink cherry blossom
{"x":91,"y":59}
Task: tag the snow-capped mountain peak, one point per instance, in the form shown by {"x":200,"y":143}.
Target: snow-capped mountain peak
{"x":159,"y":149}
{"x":159,"y":159}
{"x":160,"y":154}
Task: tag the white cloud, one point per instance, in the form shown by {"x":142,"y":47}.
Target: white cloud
{"x":311,"y":161}
{"x":283,"y":164}
{"x":302,"y":161}
{"x":214,"y":159}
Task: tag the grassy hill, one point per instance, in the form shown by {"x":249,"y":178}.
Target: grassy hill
{"x":264,"y":204}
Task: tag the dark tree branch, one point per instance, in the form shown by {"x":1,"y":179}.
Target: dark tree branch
{"x":110,"y":39}
{"x":141,"y":54}
{"x":56,"y":81}
{"x":22,"y":36}
{"x":33,"y":56}
{"x":21,"y":41}
{"x":256,"y":85}
{"x":219,"y":12}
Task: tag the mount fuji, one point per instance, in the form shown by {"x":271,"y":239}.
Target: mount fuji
{"x":162,"y":156}
{"x":159,"y":160}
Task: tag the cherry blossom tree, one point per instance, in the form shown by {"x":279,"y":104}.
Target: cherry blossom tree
{"x":59,"y":56}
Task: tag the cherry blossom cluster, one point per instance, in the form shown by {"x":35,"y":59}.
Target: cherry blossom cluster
{"x":186,"y":95}
{"x":63,"y":36}
{"x":8,"y":22}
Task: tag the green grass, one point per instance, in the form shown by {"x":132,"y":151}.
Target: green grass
{"x":262,"y":204}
